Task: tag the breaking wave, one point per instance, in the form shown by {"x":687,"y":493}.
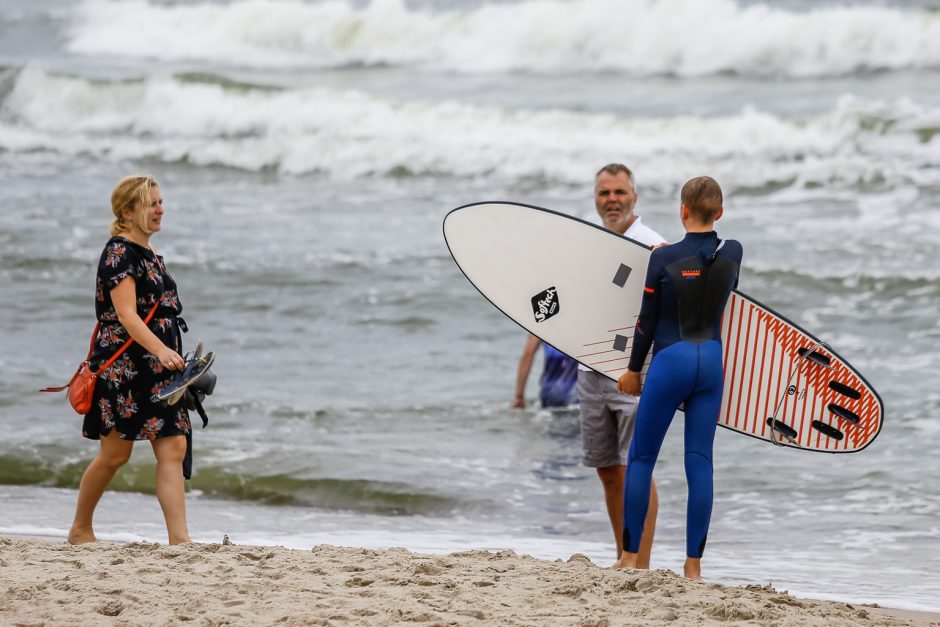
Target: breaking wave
{"x":634,"y":37}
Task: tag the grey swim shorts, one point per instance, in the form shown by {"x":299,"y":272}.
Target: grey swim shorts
{"x":607,"y":420}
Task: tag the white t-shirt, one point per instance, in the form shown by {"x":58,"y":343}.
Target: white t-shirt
{"x":643,"y":234}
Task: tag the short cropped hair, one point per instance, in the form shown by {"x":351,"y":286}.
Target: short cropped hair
{"x":616,"y":168}
{"x":702,"y":196}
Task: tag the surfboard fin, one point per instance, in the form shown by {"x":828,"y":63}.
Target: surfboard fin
{"x":815,"y":357}
{"x":783,"y":429}
{"x":845,"y":390}
{"x":844,"y":414}
{"x":828,"y":430}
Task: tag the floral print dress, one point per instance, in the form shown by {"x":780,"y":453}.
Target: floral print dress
{"x":123,"y":392}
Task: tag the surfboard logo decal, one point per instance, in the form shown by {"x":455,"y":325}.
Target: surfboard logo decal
{"x":545,"y":304}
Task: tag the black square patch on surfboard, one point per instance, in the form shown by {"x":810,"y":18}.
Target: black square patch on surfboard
{"x":623,"y":273}
{"x":545,"y":304}
{"x":620,"y":343}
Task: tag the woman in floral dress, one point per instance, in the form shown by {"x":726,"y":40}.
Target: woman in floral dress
{"x":131,"y":279}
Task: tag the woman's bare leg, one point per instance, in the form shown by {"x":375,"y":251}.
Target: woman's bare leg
{"x":113,"y":453}
{"x":171,"y":491}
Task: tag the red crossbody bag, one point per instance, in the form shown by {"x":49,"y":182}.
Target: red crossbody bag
{"x":81,"y":386}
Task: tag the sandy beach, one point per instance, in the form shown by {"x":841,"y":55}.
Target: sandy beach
{"x":44,"y":582}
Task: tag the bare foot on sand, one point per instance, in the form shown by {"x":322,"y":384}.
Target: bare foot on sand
{"x":627,"y":560}
{"x":693,"y":568}
{"x":81,"y":536}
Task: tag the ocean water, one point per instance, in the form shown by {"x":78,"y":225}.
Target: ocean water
{"x":308,"y":152}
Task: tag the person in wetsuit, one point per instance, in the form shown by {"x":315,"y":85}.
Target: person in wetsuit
{"x":687,"y":286}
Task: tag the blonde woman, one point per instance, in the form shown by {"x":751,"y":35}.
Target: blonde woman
{"x":131,"y":279}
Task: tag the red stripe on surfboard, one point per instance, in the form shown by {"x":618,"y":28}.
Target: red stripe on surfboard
{"x":642,"y":372}
{"x":608,"y":341}
{"x":790,"y":336}
{"x":724,"y":367}
{"x":605,"y":341}
{"x":760,"y":377}
{"x":867,"y":409}
{"x":799,"y":404}
{"x":781,"y":383}
{"x":744,"y":363}
{"x":806,"y":394}
{"x":819,"y":384}
{"x":820,"y":443}
{"x":842,"y":373}
{"x":593,"y":354}
{"x":734,"y":363}
{"x":755,"y":357}
{"x":868,"y":415}
{"x":793,"y":338}
{"x":607,"y":361}
{"x":781,"y":391}
{"x":812,"y":376}
{"x":770,"y":372}
{"x":851,"y":438}
{"x":814,"y":388}
{"x":722,"y":330}
{"x":741,"y":326}
{"x":633,"y":326}
{"x":830,"y":443}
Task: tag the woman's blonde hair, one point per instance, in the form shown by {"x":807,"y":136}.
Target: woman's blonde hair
{"x":131,"y":192}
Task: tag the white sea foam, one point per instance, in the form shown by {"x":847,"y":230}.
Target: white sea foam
{"x":348,"y":134}
{"x":640,"y":37}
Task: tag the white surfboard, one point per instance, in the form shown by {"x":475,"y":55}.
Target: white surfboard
{"x":579,"y":287}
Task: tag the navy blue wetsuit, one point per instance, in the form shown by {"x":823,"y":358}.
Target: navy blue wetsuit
{"x":559,"y":382}
{"x":687,"y":286}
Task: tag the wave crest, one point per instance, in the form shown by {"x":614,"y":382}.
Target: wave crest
{"x":352,"y":134}
{"x":634,"y":37}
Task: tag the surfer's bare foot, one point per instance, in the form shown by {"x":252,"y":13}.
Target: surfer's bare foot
{"x":627,"y":560}
{"x":81,"y":536}
{"x":693,"y":568}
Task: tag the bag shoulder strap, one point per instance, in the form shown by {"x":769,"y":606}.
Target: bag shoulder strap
{"x":121,"y":350}
{"x":91,"y":349}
